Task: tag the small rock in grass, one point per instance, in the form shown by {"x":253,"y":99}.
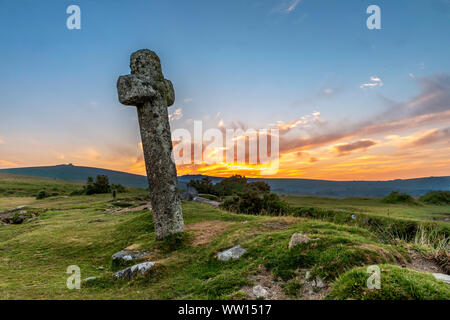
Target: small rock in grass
{"x":128,"y":255}
{"x":298,"y":238}
{"x":318,"y":283}
{"x":89,"y":279}
{"x":307,"y":275}
{"x":131,"y":272}
{"x":259,"y":291}
{"x":442,"y":277}
{"x":233,"y":253}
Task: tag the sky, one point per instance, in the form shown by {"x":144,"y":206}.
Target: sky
{"x":350,"y":103}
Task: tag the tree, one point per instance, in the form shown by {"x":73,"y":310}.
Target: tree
{"x":90,"y":188}
{"x":260,"y":187}
{"x":101,"y":184}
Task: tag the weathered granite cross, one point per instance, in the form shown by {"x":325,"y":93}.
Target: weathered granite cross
{"x":147,"y":89}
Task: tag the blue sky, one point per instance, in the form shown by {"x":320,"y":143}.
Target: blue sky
{"x":250,"y":62}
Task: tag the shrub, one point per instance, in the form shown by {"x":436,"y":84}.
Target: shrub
{"x":101,"y":184}
{"x":119,"y":188}
{"x":260,"y":187}
{"x":203,"y":186}
{"x":42,"y":195}
{"x":436,"y":197}
{"x":234,"y":185}
{"x":398,"y":197}
{"x":230,"y":186}
{"x":78,"y":192}
{"x":255,"y":203}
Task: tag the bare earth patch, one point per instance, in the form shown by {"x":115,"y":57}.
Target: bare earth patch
{"x":206,"y":231}
{"x":280,"y":223}
{"x":420,"y":263}
{"x":265,"y":279}
{"x":309,"y":288}
{"x":139,"y":208}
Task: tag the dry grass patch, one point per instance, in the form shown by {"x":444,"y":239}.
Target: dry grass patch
{"x":206,"y":231}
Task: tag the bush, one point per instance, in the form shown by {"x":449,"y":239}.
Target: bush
{"x":203,"y":186}
{"x":436,"y":197}
{"x":119,"y":188}
{"x":255,"y":203}
{"x":42,"y":195}
{"x":101,"y":185}
{"x":261,"y":187}
{"x":398,"y":197}
{"x":234,"y":185}
{"x":78,"y":192}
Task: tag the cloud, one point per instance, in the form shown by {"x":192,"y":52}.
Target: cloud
{"x":346,"y":148}
{"x":293,"y":6}
{"x":432,"y":136}
{"x":303,"y":121}
{"x":7,"y":164}
{"x":430,"y":106}
{"x":176,"y":115}
{"x":286,"y":6}
{"x":375,"y":82}
{"x":187,"y":100}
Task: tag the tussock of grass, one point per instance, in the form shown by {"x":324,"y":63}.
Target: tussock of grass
{"x":396,"y":284}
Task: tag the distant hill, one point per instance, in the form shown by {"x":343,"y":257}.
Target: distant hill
{"x":414,"y":187}
{"x":80,"y":174}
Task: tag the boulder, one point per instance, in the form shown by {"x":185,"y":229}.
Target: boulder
{"x":233,"y":253}
{"x":259,"y":291}
{"x":133,"y":271}
{"x":127,"y":255}
{"x":442,"y":277}
{"x":298,"y":238}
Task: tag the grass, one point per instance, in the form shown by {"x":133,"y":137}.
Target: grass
{"x":83,"y":231}
{"x":22,"y":186}
{"x":396,"y":283}
{"x":374,"y":206}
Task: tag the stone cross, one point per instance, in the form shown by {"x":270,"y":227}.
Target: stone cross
{"x":147,"y":89}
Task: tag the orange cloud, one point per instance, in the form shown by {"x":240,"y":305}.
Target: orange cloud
{"x":346,"y":148}
{"x":432,"y":136}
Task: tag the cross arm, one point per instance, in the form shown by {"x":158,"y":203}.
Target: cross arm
{"x":134,"y":91}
